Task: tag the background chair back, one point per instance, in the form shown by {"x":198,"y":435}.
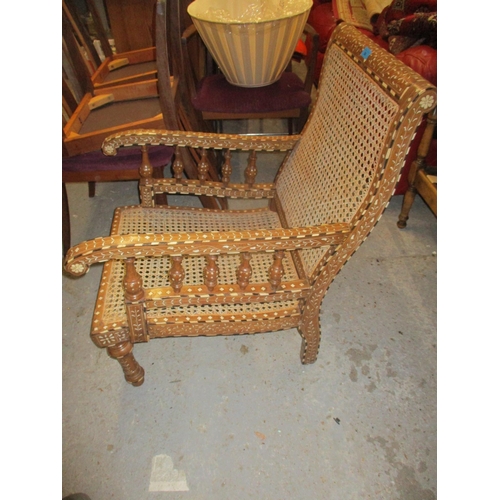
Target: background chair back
{"x":214,"y":99}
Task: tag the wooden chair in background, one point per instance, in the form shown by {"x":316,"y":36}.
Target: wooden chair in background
{"x":104,"y":111}
{"x":86,"y":123}
{"x":115,"y":69}
{"x":146,"y":104}
{"x":177,"y":271}
{"x":93,"y":166}
{"x":216,"y":99}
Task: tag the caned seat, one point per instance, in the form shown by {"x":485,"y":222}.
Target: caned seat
{"x":177,"y":271}
{"x":110,"y":310}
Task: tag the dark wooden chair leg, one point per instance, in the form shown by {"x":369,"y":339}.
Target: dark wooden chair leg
{"x":66,"y":226}
{"x":408,"y":199}
{"x":91,"y":189}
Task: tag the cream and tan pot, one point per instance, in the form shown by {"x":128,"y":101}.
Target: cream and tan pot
{"x":251,"y":41}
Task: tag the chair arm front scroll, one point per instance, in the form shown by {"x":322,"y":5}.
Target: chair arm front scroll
{"x":79,"y":258}
{"x":198,"y":140}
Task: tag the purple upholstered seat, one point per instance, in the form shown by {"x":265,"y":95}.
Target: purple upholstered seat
{"x":96,"y":166}
{"x":215,"y":94}
{"x":126,"y":159}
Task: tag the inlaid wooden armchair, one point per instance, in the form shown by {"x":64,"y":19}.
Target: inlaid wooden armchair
{"x":173,"y":271}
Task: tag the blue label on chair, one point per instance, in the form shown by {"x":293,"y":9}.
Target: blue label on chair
{"x":365,"y":54}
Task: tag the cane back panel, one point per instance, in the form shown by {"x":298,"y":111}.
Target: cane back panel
{"x":333,"y":174}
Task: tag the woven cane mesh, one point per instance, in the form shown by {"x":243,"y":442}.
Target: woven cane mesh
{"x":137,"y":220}
{"x":154,"y":270}
{"x":223,"y":312}
{"x":328,"y":175}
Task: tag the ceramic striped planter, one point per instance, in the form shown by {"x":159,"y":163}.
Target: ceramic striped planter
{"x":249,"y":53}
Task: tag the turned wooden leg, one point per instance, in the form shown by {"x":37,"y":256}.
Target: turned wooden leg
{"x":311,"y":334}
{"x":417,"y":164}
{"x":133,"y":371}
{"x":408,"y":200}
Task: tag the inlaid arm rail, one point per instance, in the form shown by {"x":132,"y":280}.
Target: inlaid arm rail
{"x":217,"y":189}
{"x":198,"y":140}
{"x":203,"y":142}
{"x":80,"y":257}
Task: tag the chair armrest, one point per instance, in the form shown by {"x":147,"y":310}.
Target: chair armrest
{"x":80,"y":257}
{"x":198,"y":140}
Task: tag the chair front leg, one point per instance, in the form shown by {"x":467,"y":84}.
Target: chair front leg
{"x":310,"y":332}
{"x":309,"y":327}
{"x":132,"y":370}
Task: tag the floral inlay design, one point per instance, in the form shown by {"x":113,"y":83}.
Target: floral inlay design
{"x":427,"y":102}
{"x":78,"y":268}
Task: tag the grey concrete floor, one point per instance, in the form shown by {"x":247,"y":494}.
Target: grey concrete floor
{"x":240,"y":417}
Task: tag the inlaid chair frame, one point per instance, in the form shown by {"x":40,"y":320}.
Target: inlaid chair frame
{"x":174,"y":271}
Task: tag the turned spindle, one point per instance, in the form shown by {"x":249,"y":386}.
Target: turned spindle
{"x":178,"y":165}
{"x":251,"y":170}
{"x":203,"y":165}
{"x":146,"y":169}
{"x":176,"y":273}
{"x":276,"y":270}
{"x":146,"y":183}
{"x":211,"y":272}
{"x":244,"y":272}
{"x":227,"y":168}
{"x":132,"y":282}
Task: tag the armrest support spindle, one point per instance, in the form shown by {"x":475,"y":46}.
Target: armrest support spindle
{"x":227,"y":168}
{"x":178,"y":165}
{"x":244,"y":273}
{"x":211,"y":272}
{"x":177,"y":273}
{"x":203,"y":165}
{"x":251,"y":169}
{"x":276,"y":270}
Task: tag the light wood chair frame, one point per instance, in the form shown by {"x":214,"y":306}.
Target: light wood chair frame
{"x":138,"y":62}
